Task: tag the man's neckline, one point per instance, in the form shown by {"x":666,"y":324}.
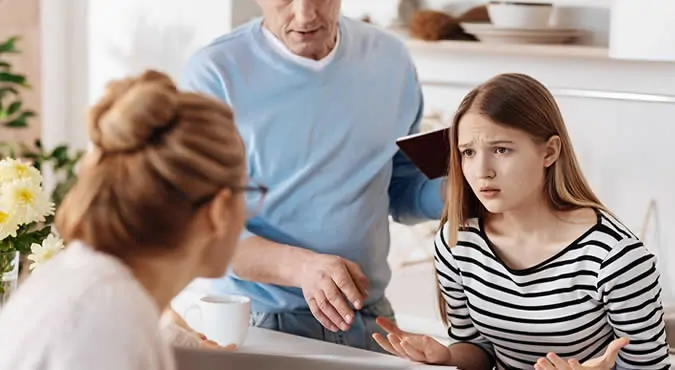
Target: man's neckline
{"x":283,"y":50}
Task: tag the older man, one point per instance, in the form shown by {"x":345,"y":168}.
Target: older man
{"x":319,"y":101}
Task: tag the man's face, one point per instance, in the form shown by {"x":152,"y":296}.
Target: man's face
{"x":307,"y":27}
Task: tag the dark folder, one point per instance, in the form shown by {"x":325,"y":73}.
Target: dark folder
{"x":429,"y":151}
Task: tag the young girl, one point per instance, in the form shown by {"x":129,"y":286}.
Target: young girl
{"x":533,"y":270}
{"x":159,"y":201}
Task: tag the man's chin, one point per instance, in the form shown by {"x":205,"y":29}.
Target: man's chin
{"x":306,"y":48}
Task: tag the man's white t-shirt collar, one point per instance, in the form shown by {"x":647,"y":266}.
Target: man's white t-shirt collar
{"x":283,"y":50}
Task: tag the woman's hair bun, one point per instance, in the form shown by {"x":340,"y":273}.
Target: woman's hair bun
{"x":133,"y":112}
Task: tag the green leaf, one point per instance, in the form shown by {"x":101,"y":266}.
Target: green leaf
{"x":19,"y":122}
{"x":13,"y":78}
{"x":5,"y":65}
{"x":28,"y":114}
{"x":32,"y":234}
{"x":14,"y":107}
{"x":41,"y":234}
{"x":6,"y":245}
{"x":60,"y":153}
{"x":9,"y":46}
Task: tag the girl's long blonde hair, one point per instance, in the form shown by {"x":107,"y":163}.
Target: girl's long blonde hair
{"x":516,"y":101}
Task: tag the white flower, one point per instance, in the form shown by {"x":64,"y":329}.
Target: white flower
{"x":8,"y":225}
{"x":42,"y":253}
{"x":13,"y":169}
{"x":26,"y":201}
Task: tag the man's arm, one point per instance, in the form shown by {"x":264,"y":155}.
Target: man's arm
{"x":413,"y":197}
{"x":325,"y":280}
{"x":264,"y":261}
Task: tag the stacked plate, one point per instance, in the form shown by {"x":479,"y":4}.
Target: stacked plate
{"x":490,"y":33}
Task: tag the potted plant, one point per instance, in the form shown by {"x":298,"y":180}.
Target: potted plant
{"x":26,"y":207}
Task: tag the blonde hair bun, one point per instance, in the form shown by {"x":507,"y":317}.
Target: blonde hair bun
{"x":133,"y":112}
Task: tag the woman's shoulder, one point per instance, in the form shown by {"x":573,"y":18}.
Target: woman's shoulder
{"x":470,"y":241}
{"x":618,"y":239}
{"x":90,"y":286}
{"x":613,"y":228}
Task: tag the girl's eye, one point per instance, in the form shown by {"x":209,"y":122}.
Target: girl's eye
{"x":502,"y":150}
{"x":467,"y":152}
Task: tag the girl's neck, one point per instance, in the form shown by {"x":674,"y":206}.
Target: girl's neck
{"x":531,"y":218}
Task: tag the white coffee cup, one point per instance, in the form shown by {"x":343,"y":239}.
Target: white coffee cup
{"x":224,"y":319}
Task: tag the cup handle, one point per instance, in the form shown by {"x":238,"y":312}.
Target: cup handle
{"x":187,"y":312}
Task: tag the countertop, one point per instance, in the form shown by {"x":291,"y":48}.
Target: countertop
{"x":262,"y":341}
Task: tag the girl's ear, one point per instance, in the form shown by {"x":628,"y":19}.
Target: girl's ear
{"x":553,"y":146}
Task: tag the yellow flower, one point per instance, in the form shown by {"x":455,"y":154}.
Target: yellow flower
{"x":8,"y":225}
{"x":26,"y":201}
{"x":13,"y":169}
{"x":44,"y":252}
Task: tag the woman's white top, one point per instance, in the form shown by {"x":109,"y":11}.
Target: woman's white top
{"x":82,"y":310}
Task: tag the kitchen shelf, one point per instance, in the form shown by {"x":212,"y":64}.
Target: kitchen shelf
{"x":574,"y":3}
{"x":534,"y":50}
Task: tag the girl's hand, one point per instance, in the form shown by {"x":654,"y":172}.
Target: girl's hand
{"x":415,"y":347}
{"x":604,"y":362}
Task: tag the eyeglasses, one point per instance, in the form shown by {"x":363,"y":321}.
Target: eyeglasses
{"x":255,"y":197}
{"x":254,"y":194}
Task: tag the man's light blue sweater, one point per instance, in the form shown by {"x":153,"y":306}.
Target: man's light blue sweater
{"x":324,"y":143}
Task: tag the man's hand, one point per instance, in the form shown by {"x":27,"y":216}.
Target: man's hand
{"x":415,"y":347}
{"x":604,"y":362}
{"x":326,"y":281}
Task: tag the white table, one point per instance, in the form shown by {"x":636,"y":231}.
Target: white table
{"x":271,"y":342}
{"x":265,"y":341}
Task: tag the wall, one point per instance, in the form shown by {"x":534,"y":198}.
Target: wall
{"x":22,"y":18}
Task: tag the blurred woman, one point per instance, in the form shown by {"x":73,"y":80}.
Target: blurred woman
{"x":159,"y":201}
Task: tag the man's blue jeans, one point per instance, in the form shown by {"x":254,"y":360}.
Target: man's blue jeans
{"x":304,"y":324}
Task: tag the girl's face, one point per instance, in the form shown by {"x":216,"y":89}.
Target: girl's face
{"x":505,"y":167}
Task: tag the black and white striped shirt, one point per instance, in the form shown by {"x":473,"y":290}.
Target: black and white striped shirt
{"x":602,"y":286}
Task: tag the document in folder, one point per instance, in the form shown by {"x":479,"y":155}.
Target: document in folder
{"x":429,"y":151}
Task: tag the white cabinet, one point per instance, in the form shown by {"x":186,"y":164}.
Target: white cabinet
{"x":643,"y":30}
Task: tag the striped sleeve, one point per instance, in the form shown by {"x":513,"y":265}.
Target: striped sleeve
{"x":628,"y":284}
{"x":461,"y":328}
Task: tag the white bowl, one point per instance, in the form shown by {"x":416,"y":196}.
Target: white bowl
{"x":507,"y":14}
